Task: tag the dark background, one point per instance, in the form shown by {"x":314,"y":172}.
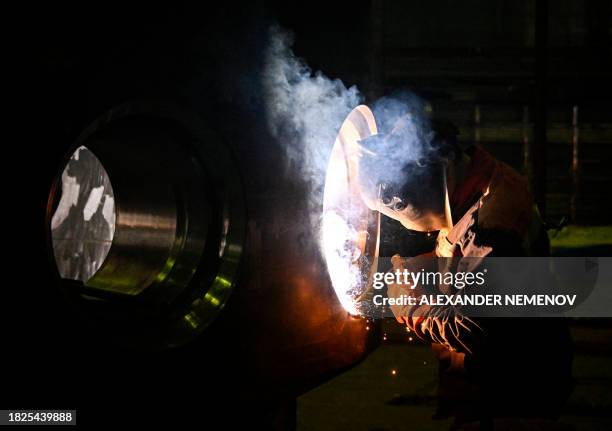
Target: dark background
{"x":529,"y":80}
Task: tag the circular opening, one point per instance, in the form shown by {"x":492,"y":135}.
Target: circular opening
{"x":151,"y":259}
{"x":350,"y":230}
{"x":83,"y":223}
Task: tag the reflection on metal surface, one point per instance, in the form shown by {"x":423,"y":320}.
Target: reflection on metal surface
{"x":283,"y":332}
{"x":178,"y":246}
{"x":171,"y":254}
{"x":350,"y":230}
{"x":83,"y":224}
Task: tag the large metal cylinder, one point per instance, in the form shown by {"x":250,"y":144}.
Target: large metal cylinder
{"x":192,"y":236}
{"x":177,"y":233}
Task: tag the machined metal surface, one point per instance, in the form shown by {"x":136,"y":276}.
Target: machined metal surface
{"x":172,"y":259}
{"x":283,"y":321}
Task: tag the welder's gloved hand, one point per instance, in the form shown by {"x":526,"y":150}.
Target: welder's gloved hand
{"x":444,"y":245}
{"x":425,"y":262}
{"x":441,"y":324}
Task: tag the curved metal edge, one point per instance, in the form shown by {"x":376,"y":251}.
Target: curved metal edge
{"x":185,"y":326}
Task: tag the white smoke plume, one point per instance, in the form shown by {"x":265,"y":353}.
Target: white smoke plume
{"x":305,"y":109}
{"x":304,"y":112}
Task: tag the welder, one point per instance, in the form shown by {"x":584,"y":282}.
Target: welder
{"x":491,"y":369}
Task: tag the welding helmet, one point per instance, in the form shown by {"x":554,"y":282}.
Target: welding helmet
{"x":402,"y":173}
